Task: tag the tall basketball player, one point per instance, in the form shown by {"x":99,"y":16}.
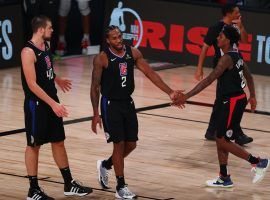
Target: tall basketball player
{"x":113,"y":77}
{"x":43,"y":111}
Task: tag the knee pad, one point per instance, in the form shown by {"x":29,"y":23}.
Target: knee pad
{"x":64,"y":7}
{"x":83,"y":7}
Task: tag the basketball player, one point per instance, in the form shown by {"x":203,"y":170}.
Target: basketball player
{"x":43,"y":112}
{"x":113,"y":77}
{"x":230,"y":72}
{"x":231,"y":15}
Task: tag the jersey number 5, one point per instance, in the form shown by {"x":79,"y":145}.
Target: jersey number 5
{"x":124,"y":80}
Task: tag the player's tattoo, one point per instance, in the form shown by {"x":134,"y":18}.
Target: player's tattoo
{"x":224,"y":63}
{"x":249,"y":79}
{"x":95,"y":85}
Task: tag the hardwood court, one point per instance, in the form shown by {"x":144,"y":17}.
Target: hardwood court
{"x":172,"y":160}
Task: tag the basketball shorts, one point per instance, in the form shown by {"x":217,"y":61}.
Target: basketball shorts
{"x":229,"y":115}
{"x":41,"y":123}
{"x":119,"y":120}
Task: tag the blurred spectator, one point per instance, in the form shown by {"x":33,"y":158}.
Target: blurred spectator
{"x":64,"y":9}
{"x":34,"y":8}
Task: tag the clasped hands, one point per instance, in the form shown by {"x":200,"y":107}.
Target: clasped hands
{"x":178,"y":98}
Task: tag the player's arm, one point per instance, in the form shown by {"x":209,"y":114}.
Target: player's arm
{"x":28,"y":64}
{"x":244,"y":35}
{"x":143,"y":66}
{"x":223,"y":63}
{"x":243,"y":32}
{"x":209,"y":39}
{"x":98,"y":63}
{"x":251,"y":87}
{"x":199,"y":72}
{"x":64,"y":83}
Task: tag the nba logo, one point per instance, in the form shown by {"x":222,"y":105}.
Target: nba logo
{"x":48,"y":62}
{"x":123,"y":69}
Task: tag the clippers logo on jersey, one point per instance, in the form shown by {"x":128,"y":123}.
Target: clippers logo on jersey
{"x":123,"y":69}
{"x":49,"y":68}
{"x":48,"y":62}
{"x":229,"y":133}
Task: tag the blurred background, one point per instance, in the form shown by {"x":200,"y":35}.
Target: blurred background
{"x":164,"y":30}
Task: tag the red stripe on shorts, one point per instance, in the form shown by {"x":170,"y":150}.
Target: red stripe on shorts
{"x":233,"y":101}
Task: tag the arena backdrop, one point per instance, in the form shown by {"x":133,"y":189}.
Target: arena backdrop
{"x":174,"y":31}
{"x":11,"y":35}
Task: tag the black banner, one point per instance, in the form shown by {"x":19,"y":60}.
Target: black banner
{"x":11,"y":35}
{"x":174,"y":31}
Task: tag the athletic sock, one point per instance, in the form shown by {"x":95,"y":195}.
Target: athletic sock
{"x":33,"y":180}
{"x":85,"y":36}
{"x":120,"y":182}
{"x":223,"y":170}
{"x":253,"y":160}
{"x":107,"y":163}
{"x":66,"y":174}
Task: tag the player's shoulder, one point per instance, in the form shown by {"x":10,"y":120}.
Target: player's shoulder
{"x":218,"y":25}
{"x":27,"y":51}
{"x":100,"y":59}
{"x":136,"y":53}
{"x":227,"y":58}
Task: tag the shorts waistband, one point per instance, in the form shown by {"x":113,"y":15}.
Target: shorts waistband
{"x":113,"y":99}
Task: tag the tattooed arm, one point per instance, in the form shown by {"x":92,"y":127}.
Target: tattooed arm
{"x":224,"y":63}
{"x":250,"y":83}
{"x":98,"y":63}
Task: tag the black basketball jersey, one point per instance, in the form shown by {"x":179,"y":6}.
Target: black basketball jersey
{"x":117,"y":80}
{"x":44,"y":72}
{"x":232,"y":81}
{"x":211,"y":39}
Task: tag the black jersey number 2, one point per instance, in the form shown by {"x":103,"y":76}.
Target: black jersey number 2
{"x":124,"y":80}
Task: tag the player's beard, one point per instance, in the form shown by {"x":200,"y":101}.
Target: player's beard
{"x":47,"y":38}
{"x":119,"y":47}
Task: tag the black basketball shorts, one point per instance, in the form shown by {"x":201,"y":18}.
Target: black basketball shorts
{"x":42,"y":124}
{"x":119,"y":120}
{"x":229,"y":115}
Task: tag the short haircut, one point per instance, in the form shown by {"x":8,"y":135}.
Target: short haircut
{"x":39,"y":22}
{"x":232,"y":33}
{"x":109,"y":29}
{"x":228,"y":8}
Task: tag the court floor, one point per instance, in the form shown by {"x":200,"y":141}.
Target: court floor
{"x":172,"y":159}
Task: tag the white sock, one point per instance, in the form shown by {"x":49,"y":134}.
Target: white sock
{"x":85,"y":36}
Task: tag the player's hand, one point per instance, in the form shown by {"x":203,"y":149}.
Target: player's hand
{"x":238,"y":22}
{"x":177,"y":97}
{"x":59,"y":109}
{"x":175,"y":94}
{"x":198,"y":74}
{"x":64,"y":84}
{"x":96,"y":120}
{"x":253,"y":103}
{"x":180,"y":102}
